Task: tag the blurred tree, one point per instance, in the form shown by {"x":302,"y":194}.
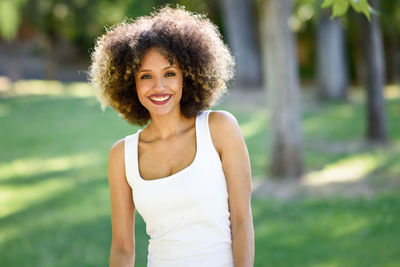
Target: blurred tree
{"x":241,"y":34}
{"x":307,"y":18}
{"x":282,"y":85}
{"x":331,"y":67}
{"x":74,"y":23}
{"x":374,"y":77}
{"x":374,"y":67}
{"x":373,"y":64}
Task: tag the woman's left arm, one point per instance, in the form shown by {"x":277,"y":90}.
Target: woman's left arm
{"x":229,"y":143}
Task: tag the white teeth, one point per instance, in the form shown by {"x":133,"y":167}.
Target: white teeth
{"x":163,"y":98}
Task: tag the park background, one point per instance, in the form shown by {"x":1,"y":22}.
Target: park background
{"x":317,"y":99}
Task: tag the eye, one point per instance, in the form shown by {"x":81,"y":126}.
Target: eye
{"x":145,"y":77}
{"x":170,"y":74}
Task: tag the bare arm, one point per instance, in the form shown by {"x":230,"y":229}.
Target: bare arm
{"x":229,"y":143}
{"x":122,"y":251}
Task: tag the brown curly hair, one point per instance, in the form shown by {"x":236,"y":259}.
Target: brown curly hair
{"x":189,"y":39}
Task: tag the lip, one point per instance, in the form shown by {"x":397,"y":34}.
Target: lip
{"x":160,"y":102}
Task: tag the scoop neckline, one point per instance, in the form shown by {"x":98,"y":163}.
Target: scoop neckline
{"x":174,"y":175}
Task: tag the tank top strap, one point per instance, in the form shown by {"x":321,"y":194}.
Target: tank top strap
{"x":130,"y":154}
{"x":204,"y":138}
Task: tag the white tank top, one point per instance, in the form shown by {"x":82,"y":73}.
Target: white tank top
{"x":187,"y":213}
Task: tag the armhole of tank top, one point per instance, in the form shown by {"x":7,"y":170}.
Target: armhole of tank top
{"x":129,"y":158}
{"x":209,"y":136}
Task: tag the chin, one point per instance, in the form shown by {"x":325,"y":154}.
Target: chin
{"x":163,"y":111}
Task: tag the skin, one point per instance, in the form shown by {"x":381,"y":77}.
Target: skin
{"x":171,"y":135}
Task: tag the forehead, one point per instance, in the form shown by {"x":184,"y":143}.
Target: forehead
{"x":158,"y":57}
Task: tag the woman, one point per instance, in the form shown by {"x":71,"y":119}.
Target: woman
{"x":187,"y":172}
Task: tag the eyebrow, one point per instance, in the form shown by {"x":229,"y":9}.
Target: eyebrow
{"x":167,"y":67}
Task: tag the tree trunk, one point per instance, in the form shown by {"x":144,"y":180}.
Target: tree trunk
{"x":283,"y":89}
{"x":332,"y":77}
{"x":50,"y":58}
{"x":240,"y":27}
{"x":393,"y":58}
{"x":374,"y":78}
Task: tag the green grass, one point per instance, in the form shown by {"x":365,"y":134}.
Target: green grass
{"x":334,"y":232}
{"x":54,"y":199}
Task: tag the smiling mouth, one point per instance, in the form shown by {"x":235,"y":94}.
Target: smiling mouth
{"x":160,"y":99}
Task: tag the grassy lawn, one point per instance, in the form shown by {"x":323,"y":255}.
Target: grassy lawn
{"x":54,"y":199}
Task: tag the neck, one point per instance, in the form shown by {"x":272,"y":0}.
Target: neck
{"x":165,"y":126}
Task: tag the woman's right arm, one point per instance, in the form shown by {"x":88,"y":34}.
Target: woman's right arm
{"x":122,"y":251}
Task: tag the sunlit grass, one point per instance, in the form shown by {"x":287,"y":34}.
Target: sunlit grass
{"x":392,"y":91}
{"x":37,"y":166}
{"x":255,"y":125}
{"x":15,"y":198}
{"x":345,"y":170}
{"x":48,"y":88}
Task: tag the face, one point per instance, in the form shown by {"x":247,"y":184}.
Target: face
{"x":159,"y":84}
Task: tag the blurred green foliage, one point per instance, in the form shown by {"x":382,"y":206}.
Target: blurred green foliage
{"x":81,"y":21}
{"x":340,"y":7}
{"x":390,"y":17}
{"x":10,"y":17}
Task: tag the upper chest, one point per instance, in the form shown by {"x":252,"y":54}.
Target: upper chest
{"x":163,"y":158}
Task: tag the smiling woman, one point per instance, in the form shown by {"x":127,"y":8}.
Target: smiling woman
{"x":187,"y":172}
{"x":188,"y":40}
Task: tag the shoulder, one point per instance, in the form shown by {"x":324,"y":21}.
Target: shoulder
{"x":116,"y":162}
{"x":117,"y":148}
{"x":224,"y":129}
{"x":116,"y":154}
{"x":221,"y":121}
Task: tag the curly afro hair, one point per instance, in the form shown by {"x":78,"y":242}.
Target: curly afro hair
{"x":189,"y":39}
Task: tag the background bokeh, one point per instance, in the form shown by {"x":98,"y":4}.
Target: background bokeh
{"x":343,"y":209}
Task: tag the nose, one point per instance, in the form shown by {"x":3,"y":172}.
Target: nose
{"x":159,"y":84}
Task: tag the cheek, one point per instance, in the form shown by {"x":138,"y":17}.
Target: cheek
{"x":178,"y":84}
{"x":140,"y":96}
{"x":140,"y":91}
